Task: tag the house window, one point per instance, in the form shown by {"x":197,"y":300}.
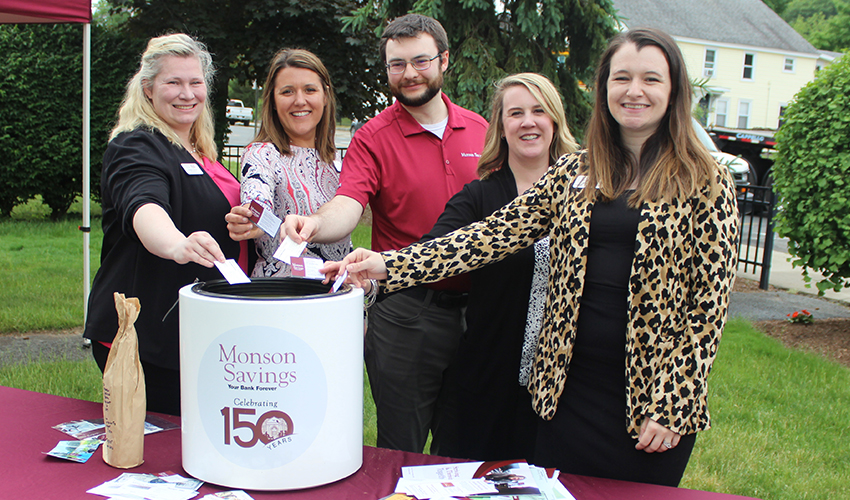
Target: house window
{"x":789,"y":65}
{"x":782,"y":108}
{"x":744,"y":109}
{"x":749,"y":66}
{"x":721,"y":108}
{"x":708,"y":64}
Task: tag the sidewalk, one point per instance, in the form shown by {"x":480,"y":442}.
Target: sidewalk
{"x":761,"y":306}
{"x":782,"y":275}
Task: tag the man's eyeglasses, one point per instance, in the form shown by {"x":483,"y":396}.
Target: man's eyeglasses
{"x":419,"y":64}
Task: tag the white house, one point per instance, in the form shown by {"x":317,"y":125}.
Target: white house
{"x":754,"y":62}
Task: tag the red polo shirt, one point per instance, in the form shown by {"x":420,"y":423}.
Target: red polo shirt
{"x":407,"y":174}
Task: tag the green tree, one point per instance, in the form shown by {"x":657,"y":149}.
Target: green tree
{"x":824,"y":23}
{"x":796,"y":9}
{"x":778,"y":6}
{"x":41,"y":109}
{"x":812,"y":176}
{"x":243,"y":36}
{"x":561,"y":39}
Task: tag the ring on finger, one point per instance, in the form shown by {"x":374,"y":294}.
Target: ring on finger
{"x":668,"y":445}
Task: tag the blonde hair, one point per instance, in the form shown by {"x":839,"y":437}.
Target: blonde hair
{"x":673,"y":162}
{"x":495,"y":153}
{"x":136,"y":109}
{"x":272,"y":129}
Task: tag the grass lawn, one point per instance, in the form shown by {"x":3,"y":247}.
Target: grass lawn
{"x":41,"y":268}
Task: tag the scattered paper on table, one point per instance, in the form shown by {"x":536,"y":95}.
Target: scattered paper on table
{"x":424,"y":490}
{"x":509,"y":479}
{"x":228,"y":495}
{"x":163,"y":486}
{"x":76,"y":451}
{"x":94,"y":428}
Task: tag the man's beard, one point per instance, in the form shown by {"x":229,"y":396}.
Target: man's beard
{"x":431,"y":90}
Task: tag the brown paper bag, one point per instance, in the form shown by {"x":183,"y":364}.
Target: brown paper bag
{"x":124,"y":391}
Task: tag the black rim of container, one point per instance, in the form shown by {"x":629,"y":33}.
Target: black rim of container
{"x":269,"y":289}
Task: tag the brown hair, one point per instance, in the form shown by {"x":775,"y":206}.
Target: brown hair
{"x":272,"y":130}
{"x":411,"y":26}
{"x":495,"y":153}
{"x":673,"y":162}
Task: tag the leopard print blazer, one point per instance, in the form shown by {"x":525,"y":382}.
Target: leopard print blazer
{"x":679,"y":287}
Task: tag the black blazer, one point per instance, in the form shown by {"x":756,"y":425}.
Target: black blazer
{"x":141,"y":167}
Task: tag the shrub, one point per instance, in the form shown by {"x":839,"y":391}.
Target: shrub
{"x":811,"y":177}
{"x":41,"y":109}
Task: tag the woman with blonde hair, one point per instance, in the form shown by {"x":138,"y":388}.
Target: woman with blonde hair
{"x":164,"y":199}
{"x":292,"y":166}
{"x":643,"y":228}
{"x":489,"y":413}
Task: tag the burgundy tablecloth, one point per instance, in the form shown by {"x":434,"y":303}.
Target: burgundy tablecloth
{"x":27,"y":418}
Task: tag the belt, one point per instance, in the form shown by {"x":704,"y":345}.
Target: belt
{"x":445,"y":299}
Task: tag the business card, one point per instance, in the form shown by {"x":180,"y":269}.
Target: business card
{"x":289,"y":249}
{"x":232,"y":272}
{"x":264,"y":219}
{"x":307,"y":267}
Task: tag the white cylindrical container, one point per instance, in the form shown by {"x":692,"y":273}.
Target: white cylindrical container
{"x":271,"y":386}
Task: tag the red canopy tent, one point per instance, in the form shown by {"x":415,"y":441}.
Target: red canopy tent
{"x":45,"y":11}
{"x":58,"y":12}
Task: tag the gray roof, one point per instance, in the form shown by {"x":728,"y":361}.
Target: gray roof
{"x":744,"y":22}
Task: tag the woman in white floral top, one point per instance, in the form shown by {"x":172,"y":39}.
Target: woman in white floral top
{"x":292,"y":166}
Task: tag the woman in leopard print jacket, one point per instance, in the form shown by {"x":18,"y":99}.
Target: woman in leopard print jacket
{"x":643,"y":229}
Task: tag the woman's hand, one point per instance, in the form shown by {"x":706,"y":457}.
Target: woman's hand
{"x":198,"y":247}
{"x":362,"y":265}
{"x":239,"y":224}
{"x":655,"y":438}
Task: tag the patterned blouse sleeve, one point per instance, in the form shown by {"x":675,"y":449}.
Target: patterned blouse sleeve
{"x":507,"y":231}
{"x":258,"y":181}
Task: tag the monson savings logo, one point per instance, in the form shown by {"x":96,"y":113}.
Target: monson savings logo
{"x":249,"y":371}
{"x":272,"y":429}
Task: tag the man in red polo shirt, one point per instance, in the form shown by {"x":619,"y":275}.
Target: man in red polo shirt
{"x":406,"y":163}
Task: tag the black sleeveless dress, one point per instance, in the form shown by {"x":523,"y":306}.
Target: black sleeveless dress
{"x":588,"y":434}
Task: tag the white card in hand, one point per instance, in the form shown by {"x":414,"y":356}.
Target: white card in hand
{"x":232,"y":272}
{"x":339,"y":281}
{"x":307,"y":267}
{"x":264,"y":219}
{"x":289,"y":249}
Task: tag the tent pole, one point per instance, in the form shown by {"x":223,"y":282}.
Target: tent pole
{"x":86,"y":227}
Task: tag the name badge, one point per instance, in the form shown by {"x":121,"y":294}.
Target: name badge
{"x":580,"y":182}
{"x":192,"y":168}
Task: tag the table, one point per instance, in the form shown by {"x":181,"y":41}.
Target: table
{"x":27,"y":419}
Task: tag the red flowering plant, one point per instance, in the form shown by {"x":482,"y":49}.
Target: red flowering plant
{"x":804,"y":317}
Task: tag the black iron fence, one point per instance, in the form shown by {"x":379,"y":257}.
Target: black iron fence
{"x":230,"y":155}
{"x":756,"y":207}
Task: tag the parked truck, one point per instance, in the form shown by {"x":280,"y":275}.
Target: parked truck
{"x":758,"y":147}
{"x":237,"y":112}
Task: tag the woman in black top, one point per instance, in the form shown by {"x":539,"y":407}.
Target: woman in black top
{"x":164,"y":201}
{"x":490,"y":416}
